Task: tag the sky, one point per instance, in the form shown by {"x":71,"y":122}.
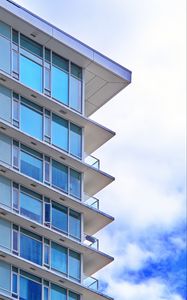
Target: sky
{"x":147,"y":199}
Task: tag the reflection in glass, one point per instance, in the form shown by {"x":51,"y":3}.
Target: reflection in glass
{"x":75,"y":183}
{"x":75,"y":140}
{"x":75,"y":94}
{"x":59,"y":217}
{"x":59,"y":85}
{"x":31,"y":73}
{"x":60,"y":132}
{"x":31,"y":165}
{"x":59,"y":176}
{"x":58,"y":258}
{"x":30,"y":249}
{"x":30,"y":290}
{"x":31,"y":207}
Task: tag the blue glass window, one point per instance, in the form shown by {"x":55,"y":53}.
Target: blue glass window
{"x":73,"y":296}
{"x":31,"y":205}
{"x":59,"y":85}
{"x":30,"y":290}
{"x":5,"y":30}
{"x":31,"y":120}
{"x":31,"y":46}
{"x":59,"y":176}
{"x":74,"y":265}
{"x":58,"y":258}
{"x":31,"y":163}
{"x":75,"y":224}
{"x":58,"y":293}
{"x":60,"y":132}
{"x":75,"y":140}
{"x":30,"y":73}
{"x":14,"y":283}
{"x":59,"y":217}
{"x":30,"y":247}
{"x":75,"y":94}
{"x":75,"y":183}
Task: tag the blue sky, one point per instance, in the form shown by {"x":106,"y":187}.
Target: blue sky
{"x":148,"y":196}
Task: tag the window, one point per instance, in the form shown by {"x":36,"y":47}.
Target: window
{"x":74,"y":265}
{"x":75,"y":183}
{"x":58,"y":258}
{"x":75,"y":140}
{"x":59,"y":217}
{"x":30,"y":73}
{"x":30,"y":289}
{"x":76,"y":87}
{"x":60,"y":132}
{"x":31,"y":163}
{"x":73,"y":296}
{"x":58,"y":293}
{"x":75,"y":224}
{"x":31,"y":119}
{"x":59,"y":85}
{"x":59,"y":176}
{"x":5,"y":103}
{"x":31,"y":205}
{"x":30,"y":247}
{"x":5,"y":47}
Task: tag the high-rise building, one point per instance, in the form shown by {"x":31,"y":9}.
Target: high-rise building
{"x":50,"y":83}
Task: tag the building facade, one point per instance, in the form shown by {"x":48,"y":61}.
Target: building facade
{"x":50,"y":83}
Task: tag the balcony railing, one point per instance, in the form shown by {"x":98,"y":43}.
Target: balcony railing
{"x":93,"y":161}
{"x":91,"y":283}
{"x":91,"y":241}
{"x":91,"y":201}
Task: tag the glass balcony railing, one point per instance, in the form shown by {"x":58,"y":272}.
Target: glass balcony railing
{"x":93,"y":161}
{"x":91,"y":241}
{"x":91,"y":283}
{"x":91,"y":201}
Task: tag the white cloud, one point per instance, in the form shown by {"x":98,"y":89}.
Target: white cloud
{"x":148,"y":290}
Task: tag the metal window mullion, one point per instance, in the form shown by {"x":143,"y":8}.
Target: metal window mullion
{"x":83,"y":102}
{"x":69,"y":83}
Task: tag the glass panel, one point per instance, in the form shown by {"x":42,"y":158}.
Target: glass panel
{"x":59,"y":217}
{"x":30,"y":249}
{"x":59,"y":85}
{"x":75,"y":94}
{"x":4,"y":29}
{"x":15,"y":198}
{"x":15,"y":156}
{"x":75,"y":140}
{"x":47,"y":171}
{"x":5,"y":55}
{"x":60,"y":132}
{"x":46,"y":293}
{"x":31,"y":45}
{"x":30,"y":290}
{"x":75,"y":183}
{"x":58,"y":293}
{"x":15,"y":283}
{"x":5,"y":234}
{"x":47,"y":213}
{"x":31,"y":166}
{"x":16,"y":112}
{"x":15,"y":36}
{"x":47,"y":79}
{"x":59,"y":176}
{"x":75,"y":224}
{"x":46,"y":254}
{"x":47,"y":126}
{"x":58,"y":258}
{"x":15,"y":62}
{"x":60,"y":62}
{"x":15,"y":241}
{"x":47,"y":55}
{"x":5,"y":103}
{"x":5,"y":277}
{"x":5,"y":191}
{"x":74,"y":265}
{"x":76,"y":71}
{"x":30,"y":73}
{"x":5,"y":149}
{"x":31,"y":207}
{"x":73,"y":296}
{"x":34,"y":127}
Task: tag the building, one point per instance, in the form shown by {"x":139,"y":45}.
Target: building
{"x":50,"y":83}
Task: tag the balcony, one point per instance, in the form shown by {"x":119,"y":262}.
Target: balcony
{"x":93,"y":161}
{"x":91,"y":283}
{"x":91,"y":201}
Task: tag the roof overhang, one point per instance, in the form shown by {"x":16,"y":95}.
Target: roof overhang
{"x":104,"y":78}
{"x":95,"y":135}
